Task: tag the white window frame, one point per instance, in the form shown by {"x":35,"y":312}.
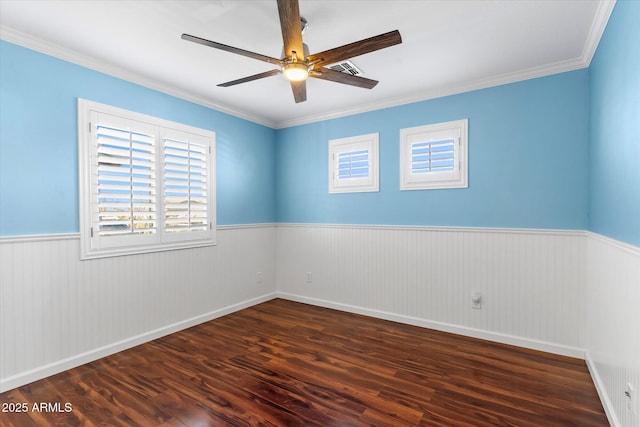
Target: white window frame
{"x":370,"y":183}
{"x":457,"y":178}
{"x":92,"y":245}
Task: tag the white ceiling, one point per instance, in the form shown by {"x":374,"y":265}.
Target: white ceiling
{"x":449,"y":46}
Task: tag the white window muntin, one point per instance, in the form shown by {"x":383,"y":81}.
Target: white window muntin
{"x":122,"y":162}
{"x":353,"y":164}
{"x":434,"y":156}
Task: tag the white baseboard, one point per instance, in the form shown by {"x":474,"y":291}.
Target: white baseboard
{"x":548,"y":347}
{"x":602,"y":392}
{"x":80,"y":359}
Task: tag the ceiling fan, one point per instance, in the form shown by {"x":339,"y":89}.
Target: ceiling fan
{"x":297,"y":65}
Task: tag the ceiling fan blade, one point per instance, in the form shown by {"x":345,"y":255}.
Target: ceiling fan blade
{"x":299,"y":90}
{"x":289,"y":12}
{"x":251,"y":78}
{"x":338,"y":77}
{"x":232,"y":49}
{"x":358,"y":48}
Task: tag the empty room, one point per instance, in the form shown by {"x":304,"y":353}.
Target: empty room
{"x":320,"y":213}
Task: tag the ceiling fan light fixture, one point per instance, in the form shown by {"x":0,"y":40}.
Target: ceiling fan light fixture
{"x":295,"y":71}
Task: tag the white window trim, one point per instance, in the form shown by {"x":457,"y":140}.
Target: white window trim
{"x":435,"y":180}
{"x":370,"y":183}
{"x":90,"y":247}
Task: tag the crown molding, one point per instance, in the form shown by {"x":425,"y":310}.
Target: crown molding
{"x":526,"y":74}
{"x":605,"y":8}
{"x":25,"y":40}
{"x":600,"y":20}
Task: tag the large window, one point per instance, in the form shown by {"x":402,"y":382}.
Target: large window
{"x":434,"y":156}
{"x":146,"y":184}
{"x":353,"y":164}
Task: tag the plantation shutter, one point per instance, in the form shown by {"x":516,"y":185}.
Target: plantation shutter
{"x":352,"y":164}
{"x":146,"y":184}
{"x":186,"y":191}
{"x":123,"y":173}
{"x":433,"y":156}
{"x":126,"y":182}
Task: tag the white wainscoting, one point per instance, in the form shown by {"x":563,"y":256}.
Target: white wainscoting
{"x":613,"y":325}
{"x":565,"y":292}
{"x":57,"y":312}
{"x":532,"y":282}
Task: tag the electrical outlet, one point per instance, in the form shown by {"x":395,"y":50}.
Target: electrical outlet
{"x":309,"y":277}
{"x":259,"y":277}
{"x":476,"y":300}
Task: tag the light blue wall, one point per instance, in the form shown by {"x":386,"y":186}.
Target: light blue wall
{"x":530,"y":165}
{"x":528,"y":156}
{"x":38,"y":143}
{"x":614,"y":204}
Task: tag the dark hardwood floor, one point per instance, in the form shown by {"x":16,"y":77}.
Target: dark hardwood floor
{"x":289,"y":364}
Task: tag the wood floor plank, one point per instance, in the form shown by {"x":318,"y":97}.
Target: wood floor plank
{"x":283,"y":363}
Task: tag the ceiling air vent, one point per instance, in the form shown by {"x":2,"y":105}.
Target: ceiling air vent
{"x":346,"y":67}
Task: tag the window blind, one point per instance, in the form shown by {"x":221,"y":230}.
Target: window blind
{"x":126,"y":182}
{"x":185,"y":185}
{"x":352,"y":164}
{"x":146,"y":184}
{"x":433,"y":156}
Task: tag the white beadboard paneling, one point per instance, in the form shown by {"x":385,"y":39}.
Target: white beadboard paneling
{"x":613,"y":325}
{"x":57,"y":312}
{"x":531,"y":281}
{"x":558,"y":291}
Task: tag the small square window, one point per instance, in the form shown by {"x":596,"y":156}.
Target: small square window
{"x":434,"y":156}
{"x":353,"y":164}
